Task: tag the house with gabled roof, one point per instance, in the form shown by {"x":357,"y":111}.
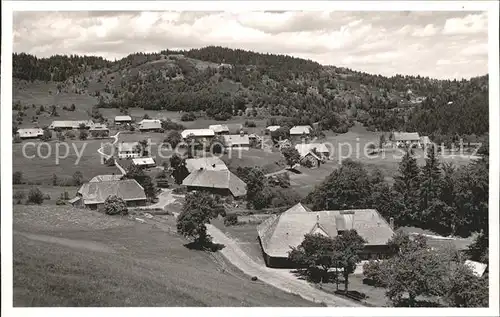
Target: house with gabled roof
{"x":219,"y":128}
{"x":144,"y":162}
{"x":150,"y":125}
{"x":240,"y":141}
{"x":211,"y":163}
{"x":70,"y":124}
{"x":198,"y":134}
{"x":400,"y":139}
{"x":123,"y":119}
{"x":30,"y":133}
{"x":99,"y":129}
{"x":278,"y":233}
{"x":299,"y":130}
{"x":129,"y":150}
{"x":93,"y":194}
{"x":315,"y":153}
{"x":271,"y":128}
{"x":221,"y":182}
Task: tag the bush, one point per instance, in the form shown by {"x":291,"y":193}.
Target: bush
{"x":60,"y":202}
{"x":71,"y":134}
{"x":17,"y":139}
{"x":179,"y":190}
{"x":114,"y":205}
{"x":17,"y":178}
{"x":307,"y":163}
{"x":35,"y":196}
{"x":250,"y":124}
{"x":189,"y":116}
{"x":373,"y":273}
{"x":230,"y":220}
{"x":19,"y":196}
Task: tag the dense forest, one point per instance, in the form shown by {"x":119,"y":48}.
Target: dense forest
{"x":223,"y":82}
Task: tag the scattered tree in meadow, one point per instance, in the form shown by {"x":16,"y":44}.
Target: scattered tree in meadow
{"x":291,"y":155}
{"x":78,"y":178}
{"x":199,"y":208}
{"x":19,"y":196}
{"x":47,"y":135}
{"x":179,"y":169}
{"x":173,"y":138}
{"x":115,"y":205}
{"x":83,"y":135}
{"x":35,"y":196}
{"x":17,"y":177}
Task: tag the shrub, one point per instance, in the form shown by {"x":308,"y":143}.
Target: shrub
{"x":373,"y":273}
{"x":307,"y":163}
{"x":17,"y":139}
{"x":35,"y":196}
{"x":78,"y":178}
{"x":189,"y":116}
{"x":250,"y":124}
{"x":110,"y":161}
{"x":17,"y":178}
{"x":230,"y":220}
{"x":179,"y":190}
{"x":46,"y":197}
{"x":83,"y":135}
{"x":60,"y":202}
{"x":114,"y":205}
{"x":19,"y":196}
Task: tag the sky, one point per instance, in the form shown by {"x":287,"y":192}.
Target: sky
{"x":443,"y":45}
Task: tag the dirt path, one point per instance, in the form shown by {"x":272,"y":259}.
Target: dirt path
{"x":77,"y":244}
{"x":282,"y":279}
{"x":164,"y":199}
{"x":107,"y":156}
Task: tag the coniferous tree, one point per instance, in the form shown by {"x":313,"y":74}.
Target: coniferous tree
{"x":407,"y":184}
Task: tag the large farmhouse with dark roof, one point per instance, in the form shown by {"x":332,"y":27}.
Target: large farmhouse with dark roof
{"x":221,"y":182}
{"x":279,"y":233}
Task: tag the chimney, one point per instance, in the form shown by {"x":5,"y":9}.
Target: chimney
{"x":213,"y":165}
{"x":242,"y":133}
{"x":391,"y":223}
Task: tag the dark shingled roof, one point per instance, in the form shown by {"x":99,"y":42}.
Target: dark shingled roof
{"x":216,"y":179}
{"x":97,"y":192}
{"x":280,"y":232}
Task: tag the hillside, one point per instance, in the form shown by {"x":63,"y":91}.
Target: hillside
{"x":223,"y":82}
{"x":66,"y":258}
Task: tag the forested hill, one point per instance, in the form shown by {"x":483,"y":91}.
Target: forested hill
{"x":224,"y":82}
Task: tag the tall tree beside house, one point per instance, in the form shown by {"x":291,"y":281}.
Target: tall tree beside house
{"x":255,"y":180}
{"x":199,"y":208}
{"x":114,"y":205}
{"x":345,"y":188}
{"x":431,"y":178}
{"x":415,"y":271}
{"x":144,"y":147}
{"x":479,"y":249}
{"x":78,"y":178}
{"x":407,"y":184}
{"x":465,"y":289}
{"x":315,"y":251}
{"x":173,"y":138}
{"x":83,"y":134}
{"x":217,"y":145}
{"x":347,"y":249}
{"x":47,"y":135}
{"x":381,"y":141}
{"x":291,"y":155}
{"x":137,"y":173}
{"x":280,"y":134}
{"x":179,"y":169}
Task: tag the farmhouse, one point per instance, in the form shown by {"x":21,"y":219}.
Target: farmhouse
{"x":211,"y":163}
{"x":105,"y":178}
{"x":405,"y":138}
{"x":150,"y":125}
{"x":241,"y":141}
{"x":30,"y":133}
{"x":218,"y":182}
{"x":94,"y":194}
{"x":129,"y":150}
{"x":198,"y":134}
{"x":320,"y":149}
{"x":235,"y":128}
{"x":99,"y":129}
{"x":271,"y":128}
{"x":70,"y":125}
{"x":122,"y":119}
{"x":219,"y":128}
{"x":477,"y":268}
{"x":299,"y":131}
{"x":144,"y":162}
{"x":279,"y":233}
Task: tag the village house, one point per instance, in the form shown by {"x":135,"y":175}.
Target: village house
{"x":144,"y":162}
{"x":425,"y":141}
{"x":129,"y":150}
{"x":211,"y":163}
{"x":237,"y":141}
{"x":219,"y":129}
{"x":93,"y":194}
{"x":30,"y":133}
{"x":221,"y":182}
{"x":147,"y":125}
{"x":123,"y":120}
{"x":318,"y":152}
{"x":106,"y":178}
{"x":99,"y":129}
{"x":278,"y":233}
{"x":70,"y":124}
{"x":300,"y":131}
{"x":400,"y":139}
{"x":235,"y":128}
{"x":477,"y":268}
{"x":271,"y":128}
{"x":201,"y":135}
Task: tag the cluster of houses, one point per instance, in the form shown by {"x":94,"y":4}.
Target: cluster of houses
{"x":65,"y":125}
{"x":404,"y":139}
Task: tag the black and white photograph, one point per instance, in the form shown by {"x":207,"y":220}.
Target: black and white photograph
{"x":197,"y":155}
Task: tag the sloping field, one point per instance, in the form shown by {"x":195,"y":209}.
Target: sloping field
{"x":68,"y":257}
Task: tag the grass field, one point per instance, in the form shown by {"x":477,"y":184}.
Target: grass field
{"x":38,"y":169}
{"x":53,"y":191}
{"x":66,"y":257}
